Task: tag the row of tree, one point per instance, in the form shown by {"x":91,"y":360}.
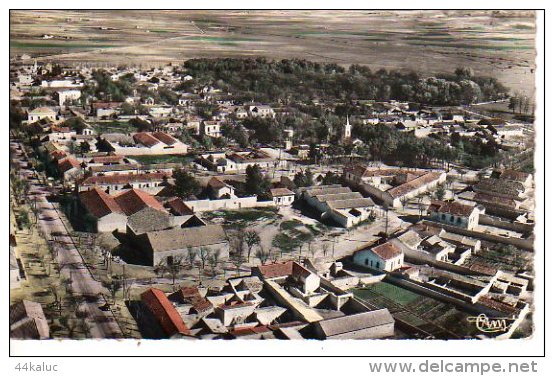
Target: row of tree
{"x":289,"y":81}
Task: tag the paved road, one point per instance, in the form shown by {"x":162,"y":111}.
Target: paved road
{"x":101,"y":323}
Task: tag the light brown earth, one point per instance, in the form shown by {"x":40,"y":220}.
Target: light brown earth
{"x":499,"y":45}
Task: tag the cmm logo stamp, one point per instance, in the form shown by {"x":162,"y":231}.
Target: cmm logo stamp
{"x":494,"y":325}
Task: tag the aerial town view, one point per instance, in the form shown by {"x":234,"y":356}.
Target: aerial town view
{"x":277,"y":175}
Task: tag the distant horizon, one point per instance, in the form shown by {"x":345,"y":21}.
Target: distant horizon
{"x":493,"y":43}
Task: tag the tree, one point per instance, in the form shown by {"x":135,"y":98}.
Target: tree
{"x":203,"y":254}
{"x":84,"y":147}
{"x":141,"y":125}
{"x":214,"y":260}
{"x":464,"y":72}
{"x":404,"y":201}
{"x":304,"y":178}
{"x":33,"y":204}
{"x":237,"y":260}
{"x":262,"y":254}
{"x":256,"y":183}
{"x":69,"y":324}
{"x":386,"y":208}
{"x":56,"y":293}
{"x":440,"y":192}
{"x":284,"y":243}
{"x":331,"y":178}
{"x":24,"y":220}
{"x":113,"y":285}
{"x":325,"y":248}
{"x":174,"y":266}
{"x":191,"y":256}
{"x":237,"y":242}
{"x":185,"y":184}
{"x":251,"y":239}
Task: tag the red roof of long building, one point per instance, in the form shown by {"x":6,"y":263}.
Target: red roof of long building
{"x":123,"y":178}
{"x":287,"y":268}
{"x":454,"y":208}
{"x":167,"y":316}
{"x":98,"y":202}
{"x":146,"y":139}
{"x":108,"y":159}
{"x":67,"y":164}
{"x":164,"y":137}
{"x":133,"y":200}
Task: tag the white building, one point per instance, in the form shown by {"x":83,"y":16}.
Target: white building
{"x":68,"y":95}
{"x":211,"y":128}
{"x":40,"y":113}
{"x":455,"y":214}
{"x":282,"y":196}
{"x":386,"y":257}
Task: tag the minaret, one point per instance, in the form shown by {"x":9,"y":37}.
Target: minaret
{"x":347,"y":129}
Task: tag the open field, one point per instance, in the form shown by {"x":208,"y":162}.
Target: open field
{"x":499,"y":44}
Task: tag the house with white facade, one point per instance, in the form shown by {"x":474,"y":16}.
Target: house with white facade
{"x":282,"y":196}
{"x":386,"y":257}
{"x":454,"y":214}
{"x":40,"y":113}
{"x":211,"y":128}
{"x":65,"y":96}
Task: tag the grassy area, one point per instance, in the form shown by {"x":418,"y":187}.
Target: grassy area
{"x":290,"y":224}
{"x":397,"y":294}
{"x":243,"y":216}
{"x":113,"y":127}
{"x":151,"y":159}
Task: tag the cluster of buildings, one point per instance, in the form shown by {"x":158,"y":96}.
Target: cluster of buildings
{"x":276,"y":301}
{"x":423,"y":122}
{"x":96,"y":149}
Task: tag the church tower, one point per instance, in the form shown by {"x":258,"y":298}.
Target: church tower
{"x":347,"y":130}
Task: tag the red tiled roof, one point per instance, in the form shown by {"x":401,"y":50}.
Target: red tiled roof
{"x":486,"y":199}
{"x":247,"y":331}
{"x":216,"y":183}
{"x":185,"y":293}
{"x":283,"y":269}
{"x":61,"y":130}
{"x":146,"y":139}
{"x":67,"y":164}
{"x":165,"y":138}
{"x":514,"y":175}
{"x":276,"y":269}
{"x":58,"y":154}
{"x":98,"y":202}
{"x":413,"y":184}
{"x":178,"y":206}
{"x":107,"y":159}
{"x":386,"y":251}
{"x":191,"y":295}
{"x":277,"y":192}
{"x":164,"y":312}
{"x":124,"y":178}
{"x":134,"y":200}
{"x":454,"y":208}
